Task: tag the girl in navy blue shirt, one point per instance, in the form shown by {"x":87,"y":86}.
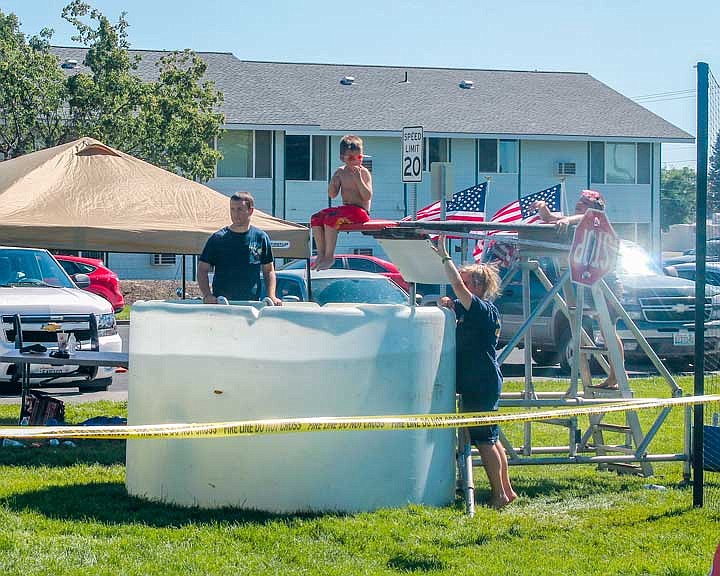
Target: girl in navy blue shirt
{"x":478,"y":376}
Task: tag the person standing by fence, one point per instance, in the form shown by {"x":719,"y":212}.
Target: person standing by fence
{"x":478,"y":376}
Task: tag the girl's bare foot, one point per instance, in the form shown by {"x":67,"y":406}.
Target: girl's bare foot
{"x":499,"y":502}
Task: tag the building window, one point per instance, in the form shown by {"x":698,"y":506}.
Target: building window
{"x":498,"y":156}
{"x":246,"y":154}
{"x":163,"y":259}
{"x":363,"y":251}
{"x":306,"y":157}
{"x":637,"y":232}
{"x":620,"y":163}
{"x":487,"y":156}
{"x":437,"y":151}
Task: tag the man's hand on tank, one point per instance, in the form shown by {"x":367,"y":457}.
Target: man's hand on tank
{"x":209,"y":299}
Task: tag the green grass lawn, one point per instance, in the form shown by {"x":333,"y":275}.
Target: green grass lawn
{"x":124,"y":314}
{"x":65,"y":511}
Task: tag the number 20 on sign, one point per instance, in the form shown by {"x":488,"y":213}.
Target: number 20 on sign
{"x":412,"y":153}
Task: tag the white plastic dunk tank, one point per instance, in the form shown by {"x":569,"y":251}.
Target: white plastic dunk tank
{"x":200,"y":363}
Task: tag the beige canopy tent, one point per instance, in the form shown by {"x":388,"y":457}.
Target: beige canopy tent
{"x":87,"y":196}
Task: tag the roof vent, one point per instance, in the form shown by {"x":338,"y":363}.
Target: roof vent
{"x":466,"y":84}
{"x":347,"y":80}
{"x":69,"y":64}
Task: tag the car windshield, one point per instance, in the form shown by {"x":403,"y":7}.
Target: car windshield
{"x":634,"y":261}
{"x":31,"y":268}
{"x":357,"y":290}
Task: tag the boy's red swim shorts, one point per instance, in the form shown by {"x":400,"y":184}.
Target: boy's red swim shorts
{"x":337,"y":216}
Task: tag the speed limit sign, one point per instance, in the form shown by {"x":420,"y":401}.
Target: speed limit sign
{"x":412,"y":154}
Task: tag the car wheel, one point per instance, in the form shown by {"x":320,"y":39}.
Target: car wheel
{"x":545,"y":358}
{"x":10,"y":388}
{"x":678,"y":365}
{"x":99,"y":385}
{"x":565,"y":350}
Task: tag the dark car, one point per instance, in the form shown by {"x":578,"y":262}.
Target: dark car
{"x":688,"y":256}
{"x":687,"y":270}
{"x":359,"y":262}
{"x":103,"y":281}
{"x":338,"y":286}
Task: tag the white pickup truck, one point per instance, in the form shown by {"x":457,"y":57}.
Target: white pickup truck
{"x":37,"y":295}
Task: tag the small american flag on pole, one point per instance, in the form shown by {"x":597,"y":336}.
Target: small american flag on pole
{"x":522,"y":212}
{"x":465,"y":205}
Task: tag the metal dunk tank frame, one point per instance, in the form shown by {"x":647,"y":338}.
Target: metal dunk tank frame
{"x":408,"y":245}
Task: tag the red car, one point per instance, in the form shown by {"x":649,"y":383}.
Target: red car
{"x":362,"y":263}
{"x":103,"y":281}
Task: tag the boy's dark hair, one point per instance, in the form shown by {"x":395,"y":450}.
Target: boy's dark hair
{"x":244,"y":197}
{"x":350,"y":143}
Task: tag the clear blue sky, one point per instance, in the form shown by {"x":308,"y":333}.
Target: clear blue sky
{"x":638,"y":47}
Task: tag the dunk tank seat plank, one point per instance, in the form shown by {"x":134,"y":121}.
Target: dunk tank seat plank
{"x":416,"y":259}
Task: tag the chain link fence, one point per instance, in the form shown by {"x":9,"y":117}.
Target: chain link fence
{"x":706,"y":431}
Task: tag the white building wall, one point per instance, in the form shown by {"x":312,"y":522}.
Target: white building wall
{"x":296,"y":201}
{"x":655,"y":212}
{"x":462,"y":157}
{"x":503,"y":189}
{"x":279,"y":172}
{"x":538,"y":165}
{"x":260,"y":188}
{"x":140,"y":267}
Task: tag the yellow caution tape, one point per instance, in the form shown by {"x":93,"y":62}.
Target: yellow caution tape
{"x":322,"y":424}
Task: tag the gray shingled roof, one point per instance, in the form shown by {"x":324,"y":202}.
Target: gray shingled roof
{"x":502,"y":102}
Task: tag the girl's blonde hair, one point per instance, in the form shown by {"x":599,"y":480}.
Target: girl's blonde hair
{"x":485,"y":280}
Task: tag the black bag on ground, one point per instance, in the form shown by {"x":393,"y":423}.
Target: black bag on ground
{"x":40,"y":407}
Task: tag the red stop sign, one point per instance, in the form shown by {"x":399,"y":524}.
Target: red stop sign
{"x":594,"y":248}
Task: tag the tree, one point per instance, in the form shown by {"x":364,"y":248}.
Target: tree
{"x":677,"y":196}
{"x":32,"y":90}
{"x":713,"y":193}
{"x":171,"y":122}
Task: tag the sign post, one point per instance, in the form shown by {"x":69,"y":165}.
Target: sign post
{"x":413,"y":144}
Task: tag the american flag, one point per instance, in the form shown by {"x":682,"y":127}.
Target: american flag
{"x":465,"y":205}
{"x":522,"y":212}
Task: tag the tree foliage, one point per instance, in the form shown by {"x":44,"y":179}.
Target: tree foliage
{"x":713,"y":193}
{"x":32,"y":91}
{"x":171,"y":121}
{"x":677,"y":196}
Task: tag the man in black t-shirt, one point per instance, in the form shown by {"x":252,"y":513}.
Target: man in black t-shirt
{"x":238,"y":253}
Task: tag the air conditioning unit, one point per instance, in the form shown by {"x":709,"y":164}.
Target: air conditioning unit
{"x":566,"y":169}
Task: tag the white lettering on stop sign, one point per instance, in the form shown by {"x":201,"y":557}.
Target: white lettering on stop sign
{"x":594,"y":249}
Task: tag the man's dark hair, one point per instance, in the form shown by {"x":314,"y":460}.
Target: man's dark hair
{"x":244,"y":197}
